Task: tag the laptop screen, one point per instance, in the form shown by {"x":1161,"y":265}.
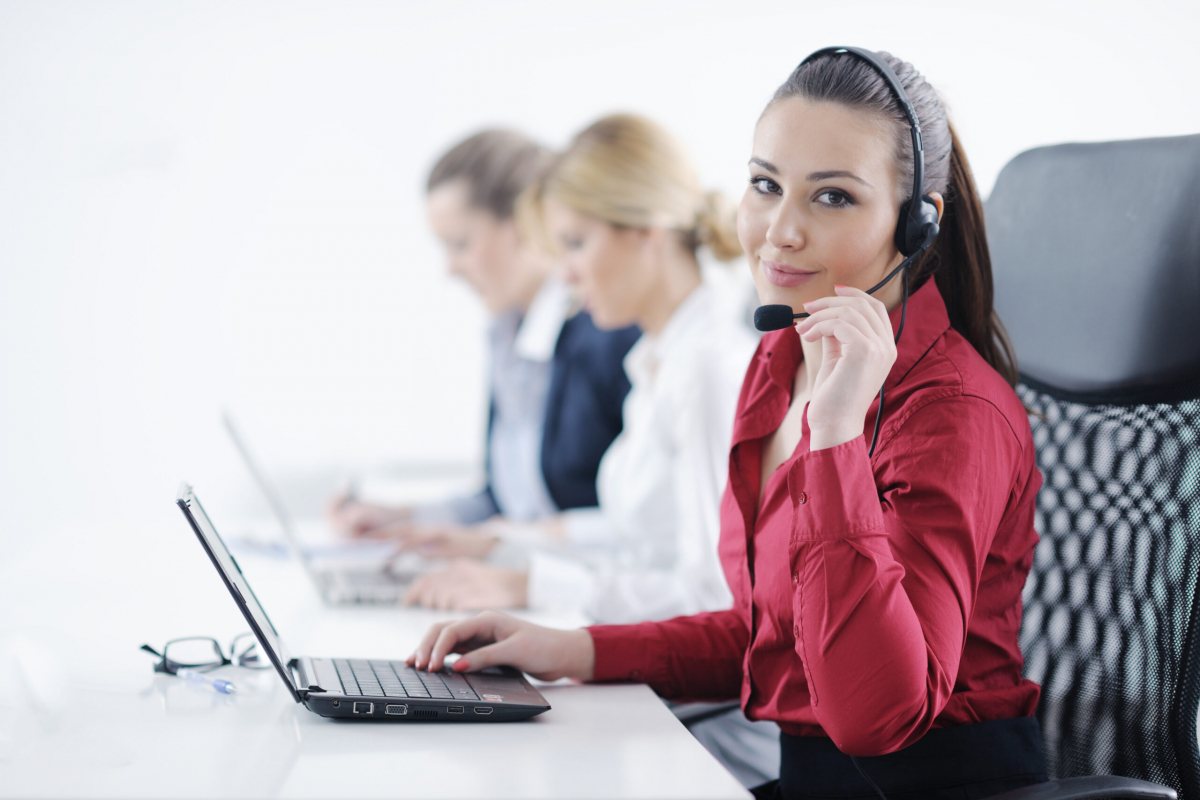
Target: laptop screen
{"x":260,"y":623}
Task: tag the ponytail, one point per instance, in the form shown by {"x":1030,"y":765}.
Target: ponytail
{"x":962,"y":263}
{"x":959,"y":256}
{"x":716,"y":227}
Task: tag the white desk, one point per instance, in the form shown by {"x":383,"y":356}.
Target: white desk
{"x":115,"y":729}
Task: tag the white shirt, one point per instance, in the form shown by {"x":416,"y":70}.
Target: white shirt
{"x":649,"y":551}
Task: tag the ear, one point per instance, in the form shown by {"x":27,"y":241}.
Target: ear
{"x":938,"y":201}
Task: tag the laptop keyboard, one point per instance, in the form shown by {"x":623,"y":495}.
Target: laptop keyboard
{"x":363,"y":678}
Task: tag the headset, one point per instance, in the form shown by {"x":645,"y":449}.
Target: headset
{"x":916,"y":228}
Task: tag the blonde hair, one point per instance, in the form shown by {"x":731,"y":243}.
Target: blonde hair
{"x":630,"y":172}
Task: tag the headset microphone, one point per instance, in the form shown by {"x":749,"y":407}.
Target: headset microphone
{"x":916,"y":228}
{"x":778,"y":317}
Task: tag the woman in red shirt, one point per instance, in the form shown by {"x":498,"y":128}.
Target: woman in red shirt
{"x":877,"y":590}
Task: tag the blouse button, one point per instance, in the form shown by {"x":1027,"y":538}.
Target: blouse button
{"x":796,"y":577}
{"x":802,"y":498}
{"x":636,"y":674}
{"x":796,"y":631}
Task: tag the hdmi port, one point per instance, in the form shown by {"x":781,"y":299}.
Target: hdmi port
{"x":454,"y":710}
{"x":483,"y":710}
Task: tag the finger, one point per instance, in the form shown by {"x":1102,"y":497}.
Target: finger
{"x":839,"y":329}
{"x":875,"y":303}
{"x":481,"y":627}
{"x":848,"y":314}
{"x":420,"y":656}
{"x":501,"y":652}
{"x":882,"y":327}
{"x":848,"y":295}
{"x":415,"y":590}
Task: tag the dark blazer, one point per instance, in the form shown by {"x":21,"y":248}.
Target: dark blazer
{"x":583,"y":409}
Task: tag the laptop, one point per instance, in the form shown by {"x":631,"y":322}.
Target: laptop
{"x":380,"y":582}
{"x":360,"y":688}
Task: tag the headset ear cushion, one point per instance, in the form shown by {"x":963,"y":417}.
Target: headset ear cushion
{"x":901,"y":236}
{"x":912,"y":230}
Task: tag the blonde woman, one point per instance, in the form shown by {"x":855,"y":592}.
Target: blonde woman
{"x":625,"y":214}
{"x":623,"y":211}
{"x":556,"y":380}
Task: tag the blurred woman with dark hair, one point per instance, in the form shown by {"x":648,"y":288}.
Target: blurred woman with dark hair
{"x":556,"y":380}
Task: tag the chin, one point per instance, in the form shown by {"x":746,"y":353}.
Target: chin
{"x":605,"y":319}
{"x":771,"y":295}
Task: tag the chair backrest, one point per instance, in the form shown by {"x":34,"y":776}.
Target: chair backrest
{"x":1096,"y":258}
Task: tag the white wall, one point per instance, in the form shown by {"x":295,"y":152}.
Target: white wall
{"x":207,"y":204}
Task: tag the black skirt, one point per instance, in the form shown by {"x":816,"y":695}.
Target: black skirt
{"x":962,"y":763}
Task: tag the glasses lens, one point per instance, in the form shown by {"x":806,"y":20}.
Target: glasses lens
{"x":245,"y":653}
{"x":197,"y":652}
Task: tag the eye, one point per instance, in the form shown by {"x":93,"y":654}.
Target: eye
{"x":764,"y":185}
{"x":834,"y":198}
{"x":571,"y":242}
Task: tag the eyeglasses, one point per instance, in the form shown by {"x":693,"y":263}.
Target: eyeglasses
{"x":203,"y":653}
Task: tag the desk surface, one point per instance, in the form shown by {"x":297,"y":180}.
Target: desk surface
{"x":83,"y":715}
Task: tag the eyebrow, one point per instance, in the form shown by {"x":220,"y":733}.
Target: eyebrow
{"x":767,"y":165}
{"x":837,"y":173}
{"x":812,"y":176}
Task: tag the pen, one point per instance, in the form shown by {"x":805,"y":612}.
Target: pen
{"x":218,"y":685}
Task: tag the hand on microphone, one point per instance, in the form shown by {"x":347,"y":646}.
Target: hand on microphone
{"x":857,"y":353}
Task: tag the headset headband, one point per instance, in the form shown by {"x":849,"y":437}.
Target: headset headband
{"x":901,"y":96}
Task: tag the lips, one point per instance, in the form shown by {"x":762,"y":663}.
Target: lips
{"x":785,"y":274}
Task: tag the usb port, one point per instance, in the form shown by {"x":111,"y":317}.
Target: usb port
{"x":364,"y":708}
{"x":485,"y":710}
{"x":396,"y":710}
{"x":454,"y":710}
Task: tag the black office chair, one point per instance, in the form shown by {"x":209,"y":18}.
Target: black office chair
{"x":1096,"y":257}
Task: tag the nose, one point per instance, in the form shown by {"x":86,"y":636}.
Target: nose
{"x":786,"y":231}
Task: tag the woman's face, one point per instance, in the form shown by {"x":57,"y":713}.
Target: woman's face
{"x":611,"y":268}
{"x":481,"y":249}
{"x":821,"y":207}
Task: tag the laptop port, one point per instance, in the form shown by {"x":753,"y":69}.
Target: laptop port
{"x":483,"y":710}
{"x":337,"y":703}
{"x":396,"y":710}
{"x":454,"y":710}
{"x":364,"y":708}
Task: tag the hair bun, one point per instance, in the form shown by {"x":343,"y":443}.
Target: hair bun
{"x":716,"y":227}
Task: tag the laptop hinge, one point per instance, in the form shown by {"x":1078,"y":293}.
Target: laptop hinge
{"x":305,"y":676}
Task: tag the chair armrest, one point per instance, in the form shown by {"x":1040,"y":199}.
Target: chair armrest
{"x":694,"y":713}
{"x":1091,"y":787}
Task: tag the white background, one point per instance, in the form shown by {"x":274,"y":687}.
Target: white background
{"x":208,"y":205}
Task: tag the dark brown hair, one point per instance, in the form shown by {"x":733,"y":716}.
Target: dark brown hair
{"x":959,"y":256}
{"x":496,"y":164}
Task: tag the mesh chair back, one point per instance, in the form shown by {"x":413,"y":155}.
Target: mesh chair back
{"x":1109,"y":620}
{"x":1096,"y":259}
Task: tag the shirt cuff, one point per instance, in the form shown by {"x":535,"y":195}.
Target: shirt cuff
{"x":558,"y":583}
{"x":627,"y":653}
{"x":459,"y":510}
{"x":834,"y":495}
{"x":587,"y":527}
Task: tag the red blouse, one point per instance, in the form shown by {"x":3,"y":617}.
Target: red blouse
{"x":877,"y":598}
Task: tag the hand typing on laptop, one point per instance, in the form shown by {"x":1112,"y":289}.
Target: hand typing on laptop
{"x":469,"y":586}
{"x":352,"y":517}
{"x":490,"y":639}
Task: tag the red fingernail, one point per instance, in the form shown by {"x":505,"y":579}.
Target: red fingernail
{"x":462,"y":665}
{"x":838,"y":286}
